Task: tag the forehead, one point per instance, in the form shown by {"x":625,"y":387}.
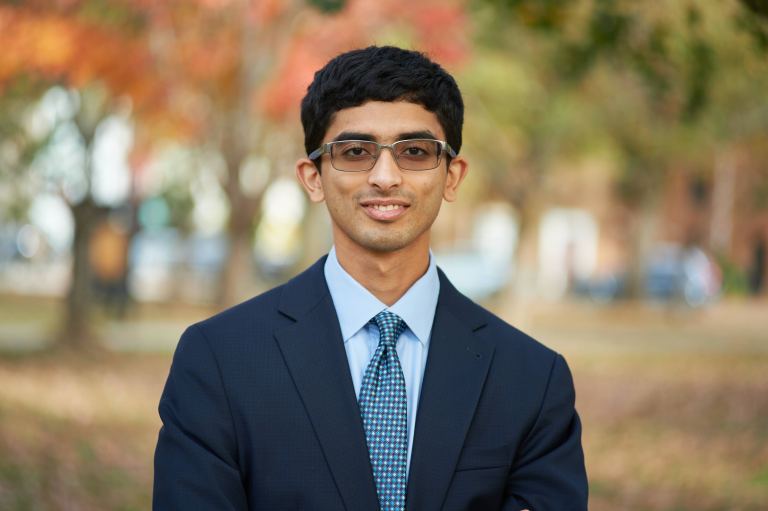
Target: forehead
{"x":384,"y":121}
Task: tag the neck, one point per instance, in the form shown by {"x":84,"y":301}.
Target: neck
{"x":387,"y":275}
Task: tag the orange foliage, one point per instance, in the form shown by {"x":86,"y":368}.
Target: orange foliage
{"x":63,"y":50}
{"x":436,"y":27}
{"x":265,"y":11}
{"x":182,"y":62}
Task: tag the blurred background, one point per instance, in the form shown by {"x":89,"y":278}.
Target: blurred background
{"x":616,"y":209}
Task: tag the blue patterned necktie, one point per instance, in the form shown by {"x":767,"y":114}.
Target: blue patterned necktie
{"x":384,"y":411}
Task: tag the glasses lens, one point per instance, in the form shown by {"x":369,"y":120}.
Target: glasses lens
{"x":353,"y":155}
{"x":417,"y":154}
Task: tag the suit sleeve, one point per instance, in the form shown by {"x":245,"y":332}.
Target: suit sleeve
{"x":549,"y":473}
{"x":196,"y":456}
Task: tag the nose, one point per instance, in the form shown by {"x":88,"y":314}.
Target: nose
{"x":385,"y":174}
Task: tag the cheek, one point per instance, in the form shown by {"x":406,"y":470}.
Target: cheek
{"x":338,"y":201}
{"x":435,"y":202}
{"x":340,"y":187}
{"x":431,"y":193}
{"x":330,"y":191}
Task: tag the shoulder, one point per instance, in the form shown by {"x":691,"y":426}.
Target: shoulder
{"x":238,"y":325}
{"x":258,"y":317}
{"x":523,"y":370}
{"x":255,"y":309}
{"x":509,"y":343}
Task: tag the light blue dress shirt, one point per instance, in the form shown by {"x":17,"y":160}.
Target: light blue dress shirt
{"x":355,"y":306}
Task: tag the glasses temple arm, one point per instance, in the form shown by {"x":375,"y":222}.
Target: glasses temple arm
{"x":317,"y":153}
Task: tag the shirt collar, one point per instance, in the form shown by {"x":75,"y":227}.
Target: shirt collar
{"x":355,"y":305}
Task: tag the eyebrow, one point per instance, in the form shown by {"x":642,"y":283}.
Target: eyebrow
{"x":353,"y":135}
{"x":357,"y":135}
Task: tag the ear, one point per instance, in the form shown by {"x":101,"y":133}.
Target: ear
{"x":457,"y":170}
{"x":310,"y":179}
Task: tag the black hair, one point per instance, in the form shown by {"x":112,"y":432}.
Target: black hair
{"x":381,"y":73}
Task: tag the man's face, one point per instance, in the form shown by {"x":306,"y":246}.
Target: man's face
{"x":384,"y":209}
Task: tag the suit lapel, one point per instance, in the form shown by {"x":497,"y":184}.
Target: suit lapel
{"x":457,"y":365}
{"x":314,"y":353}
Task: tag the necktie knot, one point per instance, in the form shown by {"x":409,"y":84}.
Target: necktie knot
{"x":390,"y":327}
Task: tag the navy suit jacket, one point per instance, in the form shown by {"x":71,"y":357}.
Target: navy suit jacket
{"x":259,"y":413}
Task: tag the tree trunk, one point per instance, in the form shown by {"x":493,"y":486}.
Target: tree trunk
{"x":642,"y":234}
{"x":77,"y":330}
{"x":723,"y":203}
{"x":244,"y":132}
{"x":316,"y":236}
{"x":238,"y":275}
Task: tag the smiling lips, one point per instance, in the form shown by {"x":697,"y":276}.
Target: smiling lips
{"x":384,"y":210}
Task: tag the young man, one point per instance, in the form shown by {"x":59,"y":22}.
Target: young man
{"x":368,"y":382}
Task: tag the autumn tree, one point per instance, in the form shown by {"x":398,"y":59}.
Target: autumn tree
{"x":659,"y":87}
{"x":96,"y":54}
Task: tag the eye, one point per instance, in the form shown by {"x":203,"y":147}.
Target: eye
{"x":414,"y":151}
{"x":417,"y":149}
{"x":353,"y":150}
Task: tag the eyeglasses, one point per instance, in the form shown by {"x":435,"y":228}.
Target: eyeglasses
{"x":361,"y":155}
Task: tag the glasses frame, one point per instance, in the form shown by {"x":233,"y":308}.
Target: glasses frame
{"x":326,"y":149}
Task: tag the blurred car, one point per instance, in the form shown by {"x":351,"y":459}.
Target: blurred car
{"x":474,"y":273}
{"x":672,"y":273}
{"x":681,"y":273}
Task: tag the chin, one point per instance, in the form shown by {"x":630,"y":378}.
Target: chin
{"x":385,"y":243}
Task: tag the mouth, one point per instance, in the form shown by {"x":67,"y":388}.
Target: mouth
{"x":384,"y":209}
